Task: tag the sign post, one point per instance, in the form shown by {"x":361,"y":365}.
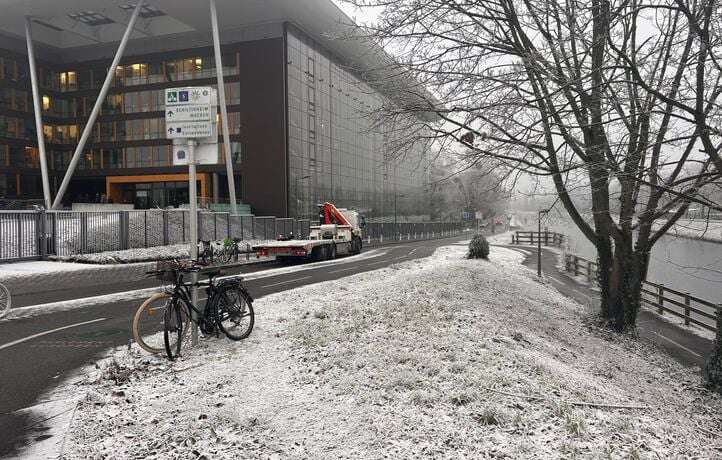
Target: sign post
{"x":190,"y":115}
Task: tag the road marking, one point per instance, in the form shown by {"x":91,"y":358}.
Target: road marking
{"x":286,"y":282}
{"x":40,"y":334}
{"x":343,"y":270}
{"x":377,"y":263}
{"x":414,"y":251}
{"x":677,"y":344}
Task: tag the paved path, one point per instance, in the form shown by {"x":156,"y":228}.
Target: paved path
{"x":39,"y":352}
{"x":684,"y":346}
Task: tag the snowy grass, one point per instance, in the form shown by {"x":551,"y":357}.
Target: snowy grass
{"x":440,"y":357}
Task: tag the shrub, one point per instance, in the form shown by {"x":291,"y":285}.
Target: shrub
{"x":478,"y":248}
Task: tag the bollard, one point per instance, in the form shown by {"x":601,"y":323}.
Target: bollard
{"x":686,"y":309}
{"x":660,"y":298}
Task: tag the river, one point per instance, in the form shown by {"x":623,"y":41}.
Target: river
{"x":684,"y":264}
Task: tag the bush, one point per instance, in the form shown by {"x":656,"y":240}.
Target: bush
{"x":478,"y":248}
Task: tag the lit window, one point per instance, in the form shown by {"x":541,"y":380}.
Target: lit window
{"x":46,"y":103}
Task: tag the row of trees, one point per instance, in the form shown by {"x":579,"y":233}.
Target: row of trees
{"x":617,"y":100}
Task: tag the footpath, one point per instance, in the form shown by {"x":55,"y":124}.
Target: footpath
{"x":683,"y":344}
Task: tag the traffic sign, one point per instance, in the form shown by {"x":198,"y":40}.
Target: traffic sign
{"x":190,"y":113}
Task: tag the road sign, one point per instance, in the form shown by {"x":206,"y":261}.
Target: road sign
{"x":188,"y":129}
{"x":190,"y":113}
{"x":205,"y":153}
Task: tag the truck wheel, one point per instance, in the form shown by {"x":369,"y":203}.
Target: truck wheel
{"x":356,"y":245}
{"x":318,"y":254}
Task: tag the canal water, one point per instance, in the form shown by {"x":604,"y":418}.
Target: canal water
{"x":684,"y":264}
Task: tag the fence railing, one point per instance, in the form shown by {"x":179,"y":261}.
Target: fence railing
{"x":32,"y":235}
{"x":547,"y":238}
{"x":691,"y":309}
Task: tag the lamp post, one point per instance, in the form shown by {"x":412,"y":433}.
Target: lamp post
{"x":538,"y":240}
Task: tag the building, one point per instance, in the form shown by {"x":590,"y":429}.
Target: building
{"x":298,"y":117}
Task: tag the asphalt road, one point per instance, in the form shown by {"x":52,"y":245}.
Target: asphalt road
{"x":39,"y":352}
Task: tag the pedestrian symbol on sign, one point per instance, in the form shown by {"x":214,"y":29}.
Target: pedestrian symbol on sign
{"x":172,"y":97}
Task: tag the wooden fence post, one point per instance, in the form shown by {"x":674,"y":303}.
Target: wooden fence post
{"x":686,"y":309}
{"x":589,"y":271}
{"x":660,"y":298}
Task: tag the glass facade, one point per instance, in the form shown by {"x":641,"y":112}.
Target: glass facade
{"x":130,"y":131}
{"x":336,"y":153}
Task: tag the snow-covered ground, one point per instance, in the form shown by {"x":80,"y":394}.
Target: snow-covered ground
{"x":174,"y":251}
{"x":439,"y":357}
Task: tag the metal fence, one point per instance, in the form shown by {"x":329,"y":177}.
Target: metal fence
{"x":691,"y":309}
{"x":31,"y":235}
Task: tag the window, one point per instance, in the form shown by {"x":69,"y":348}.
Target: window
{"x":68,"y":81}
{"x":46,"y":102}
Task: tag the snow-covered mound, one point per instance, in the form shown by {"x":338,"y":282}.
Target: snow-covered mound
{"x":440,"y":357}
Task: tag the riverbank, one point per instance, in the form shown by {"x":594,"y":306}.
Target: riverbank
{"x":436,"y":357}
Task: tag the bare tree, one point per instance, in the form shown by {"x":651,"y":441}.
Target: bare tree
{"x":618,"y":99}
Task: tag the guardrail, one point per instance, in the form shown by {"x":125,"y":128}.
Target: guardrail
{"x":34,"y":235}
{"x":547,"y":238}
{"x":691,"y":309}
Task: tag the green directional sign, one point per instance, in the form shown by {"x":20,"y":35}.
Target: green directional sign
{"x":171,"y":97}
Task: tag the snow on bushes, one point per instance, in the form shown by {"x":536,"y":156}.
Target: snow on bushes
{"x":478,"y":248}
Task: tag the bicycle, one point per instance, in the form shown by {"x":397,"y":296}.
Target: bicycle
{"x":229,"y":309}
{"x":229,"y":251}
{"x":5,"y":301}
{"x":205,"y":252}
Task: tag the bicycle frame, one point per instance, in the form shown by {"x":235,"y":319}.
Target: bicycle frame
{"x":181,"y":291}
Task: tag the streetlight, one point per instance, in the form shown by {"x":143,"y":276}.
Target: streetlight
{"x":538,"y":240}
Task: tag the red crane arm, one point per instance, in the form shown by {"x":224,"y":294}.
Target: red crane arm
{"x":332,"y":215}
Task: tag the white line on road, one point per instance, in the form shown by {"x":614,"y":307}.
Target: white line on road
{"x":286,"y":282}
{"x":344,"y":270}
{"x":413,"y":251}
{"x":40,"y":334}
{"x":677,"y":344}
{"x":378,"y":263}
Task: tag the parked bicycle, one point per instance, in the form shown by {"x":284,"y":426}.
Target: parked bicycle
{"x":162,"y":322}
{"x":228,"y":252}
{"x":5,"y":301}
{"x":205,"y":252}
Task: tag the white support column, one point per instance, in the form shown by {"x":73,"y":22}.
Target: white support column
{"x":98,"y":104}
{"x":224,"y":110}
{"x":37,"y":107}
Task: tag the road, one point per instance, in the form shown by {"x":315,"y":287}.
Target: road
{"x":39,"y":352}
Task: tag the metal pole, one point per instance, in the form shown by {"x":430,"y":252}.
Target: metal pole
{"x":539,"y":254}
{"x":224,"y":110}
{"x":98,"y":104}
{"x":38,"y":114}
{"x":192,"y":206}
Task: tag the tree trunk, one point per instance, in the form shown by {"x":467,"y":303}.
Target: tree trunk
{"x":624,"y":292}
{"x":713,"y":367}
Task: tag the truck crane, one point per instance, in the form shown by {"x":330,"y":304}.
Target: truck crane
{"x":338,"y":232}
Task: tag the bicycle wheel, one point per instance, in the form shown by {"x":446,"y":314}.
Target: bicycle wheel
{"x":234,"y":312}
{"x":147,"y":327}
{"x":225,"y":255}
{"x":173,"y":330}
{"x":5,"y":301}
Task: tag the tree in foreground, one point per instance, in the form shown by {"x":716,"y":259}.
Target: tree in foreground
{"x":618,"y":101}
